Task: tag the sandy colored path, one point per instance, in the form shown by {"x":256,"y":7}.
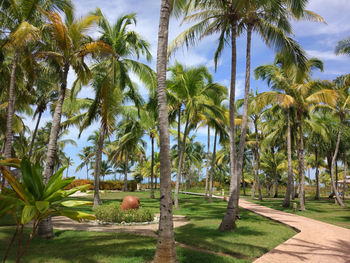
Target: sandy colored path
{"x":316,"y":242}
{"x":64,"y":223}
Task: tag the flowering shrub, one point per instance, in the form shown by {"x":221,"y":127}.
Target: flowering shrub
{"x":104,"y":185}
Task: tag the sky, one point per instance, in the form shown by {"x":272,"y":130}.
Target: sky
{"x":317,"y":39}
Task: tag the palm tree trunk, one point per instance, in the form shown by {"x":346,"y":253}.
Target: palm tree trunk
{"x":228,"y":221}
{"x":257,"y":159}
{"x":34,"y":135}
{"x":67,"y":171}
{"x":179,"y":168}
{"x":344,"y":177}
{"x":275,"y":176}
{"x":252,"y":193}
{"x":317,"y":176}
{"x":243,"y":184}
{"x":11,"y":108}
{"x":87,"y":172}
{"x":10,"y":113}
{"x":152,"y":166}
{"x":244,"y":126}
{"x":212,"y":169}
{"x":125,"y":188}
{"x":97,"y":169}
{"x":309,"y":178}
{"x":302,"y":166}
{"x":207,"y":169}
{"x":165,"y":251}
{"x":286,"y":202}
{"x":45,"y":229}
{"x":55,"y":128}
{"x":335,"y":187}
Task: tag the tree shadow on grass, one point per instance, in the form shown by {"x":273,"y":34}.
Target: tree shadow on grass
{"x":208,"y":237}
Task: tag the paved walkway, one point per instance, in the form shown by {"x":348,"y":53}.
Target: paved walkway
{"x":65,"y":223}
{"x":316,"y":242}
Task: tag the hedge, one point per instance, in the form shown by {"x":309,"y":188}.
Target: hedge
{"x":104,"y":185}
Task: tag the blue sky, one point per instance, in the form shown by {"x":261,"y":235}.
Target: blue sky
{"x":317,"y":39}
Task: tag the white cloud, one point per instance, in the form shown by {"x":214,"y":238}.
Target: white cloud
{"x":325,"y":55}
{"x":334,"y":12}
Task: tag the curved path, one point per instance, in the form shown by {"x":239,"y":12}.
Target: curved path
{"x":316,"y":242}
{"x":64,"y":223}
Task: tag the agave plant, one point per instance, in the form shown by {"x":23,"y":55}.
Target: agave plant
{"x":33,"y":201}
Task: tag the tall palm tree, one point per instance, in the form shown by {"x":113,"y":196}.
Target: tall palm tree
{"x":229,"y":18}
{"x":341,"y":108}
{"x":85,"y":155}
{"x":193,"y":86}
{"x":71,"y":45}
{"x":165,"y":251}
{"x":149,"y":120}
{"x":296,"y":90}
{"x":112,"y":79}
{"x":129,"y":144}
{"x":22,"y":19}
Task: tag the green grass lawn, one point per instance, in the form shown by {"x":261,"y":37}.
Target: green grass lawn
{"x":92,"y":247}
{"x":324,"y":210}
{"x":254,"y":236}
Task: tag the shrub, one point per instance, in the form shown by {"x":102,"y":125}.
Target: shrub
{"x":80,"y":182}
{"x":113,"y":213}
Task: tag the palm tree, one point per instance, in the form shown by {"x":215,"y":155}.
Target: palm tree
{"x":85,"y":155}
{"x":149,"y":120}
{"x":129,"y":145}
{"x":165,"y":251}
{"x":21,"y":18}
{"x":300,"y":93}
{"x":68,"y":161}
{"x":194,"y":87}
{"x":341,"y":108}
{"x":229,"y":19}
{"x":112,"y":81}
{"x":71,"y":46}
{"x":106,"y":169}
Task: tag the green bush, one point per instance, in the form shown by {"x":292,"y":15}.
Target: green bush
{"x":113,"y":213}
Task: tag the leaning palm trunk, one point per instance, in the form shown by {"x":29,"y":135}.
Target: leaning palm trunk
{"x":165,"y":251}
{"x":10,"y":113}
{"x":335,"y":186}
{"x":207,"y":169}
{"x":301,"y":166}
{"x":152,"y":167}
{"x":11,"y":109}
{"x":244,"y":126}
{"x":97,"y":169}
{"x":34,"y":135}
{"x":125,"y":188}
{"x":317,"y":176}
{"x":286,"y":202}
{"x":228,"y":222}
{"x":212,"y":170}
{"x":179,"y":168}
{"x":45,"y":228}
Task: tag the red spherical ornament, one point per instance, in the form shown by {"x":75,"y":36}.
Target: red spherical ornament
{"x":130,"y":202}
